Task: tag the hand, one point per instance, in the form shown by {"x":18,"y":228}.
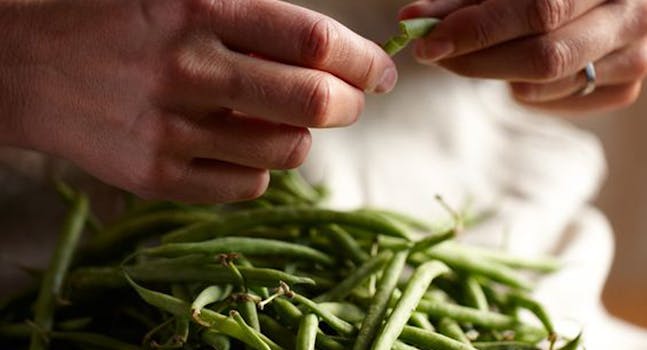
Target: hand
{"x":542,"y":46}
{"x":186,"y":100}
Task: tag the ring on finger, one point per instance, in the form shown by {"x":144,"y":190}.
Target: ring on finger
{"x":591,"y":78}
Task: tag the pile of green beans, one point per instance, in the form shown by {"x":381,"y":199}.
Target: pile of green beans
{"x":279,"y":272}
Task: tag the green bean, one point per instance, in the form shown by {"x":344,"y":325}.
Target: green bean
{"x":537,"y":309}
{"x":505,"y":345}
{"x":346,"y":243}
{"x":307,"y":335}
{"x":430,"y":340}
{"x":294,"y":184}
{"x":140,"y":227}
{"x":237,"y":221}
{"x":357,"y":277}
{"x":420,"y":320}
{"x":474,"y":294}
{"x":475,"y":265}
{"x":398,"y":345}
{"x":53,"y":279}
{"x":216,"y":321}
{"x":93,"y":340}
{"x":291,"y":315}
{"x":348,"y":312}
{"x":538,"y":264}
{"x":463,"y":314}
{"x":250,"y":332}
{"x":339,"y":325}
{"x":573,"y":344}
{"x":402,"y":218}
{"x":452,"y":329}
{"x":432,"y":240}
{"x":207,"y":296}
{"x":380,"y":301}
{"x":242,"y":245}
{"x":277,"y":332}
{"x":418,"y":283}
{"x":74,"y":324}
{"x":247,"y":309}
{"x":175,"y":271}
{"x":68,"y":194}
{"x":216,"y":340}
{"x":409,"y":30}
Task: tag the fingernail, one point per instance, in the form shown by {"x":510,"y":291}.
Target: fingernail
{"x":434,"y":50}
{"x":387,"y":81}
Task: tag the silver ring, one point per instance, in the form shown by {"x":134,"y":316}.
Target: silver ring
{"x":591,"y":77}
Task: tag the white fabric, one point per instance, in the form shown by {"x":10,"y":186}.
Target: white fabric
{"x":466,"y":140}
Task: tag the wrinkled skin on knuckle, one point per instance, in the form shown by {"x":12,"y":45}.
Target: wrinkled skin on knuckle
{"x":550,"y":59}
{"x":316,"y":42}
{"x":318,"y":102}
{"x":297,"y":153}
{"x":547,"y":15}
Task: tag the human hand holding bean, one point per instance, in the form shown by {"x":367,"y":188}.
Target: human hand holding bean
{"x":186,"y":100}
{"x":541,"y":47}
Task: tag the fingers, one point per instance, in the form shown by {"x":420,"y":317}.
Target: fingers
{"x":294,"y":35}
{"x":242,"y":141}
{"x":493,"y":22}
{"x":623,"y":66}
{"x":551,"y":56}
{"x":206,"y":77}
{"x":433,"y":8}
{"x":603,"y":99}
{"x":203,"y":181}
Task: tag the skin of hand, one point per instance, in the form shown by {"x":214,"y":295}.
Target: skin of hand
{"x":188,"y":100}
{"x":541,"y":47}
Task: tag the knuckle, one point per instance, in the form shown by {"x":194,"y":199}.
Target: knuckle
{"x":550,"y":59}
{"x":547,"y":15}
{"x":298,"y":150}
{"x":153,"y":178}
{"x":318,"y":102}
{"x":316,"y":47}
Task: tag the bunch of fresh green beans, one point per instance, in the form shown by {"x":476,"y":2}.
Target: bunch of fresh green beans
{"x":279,"y":272}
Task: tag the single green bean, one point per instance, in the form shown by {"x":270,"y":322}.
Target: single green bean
{"x":207,"y":296}
{"x":348,"y":312}
{"x":380,"y":301}
{"x":475,"y":265}
{"x":409,"y":30}
{"x":52,"y":283}
{"x":431,"y":341}
{"x":505,"y":345}
{"x":346,"y":243}
{"x":537,"y":309}
{"x":356,"y":278}
{"x":432,"y":240}
{"x":452,"y":329}
{"x":474,"y":294}
{"x":402,"y":218}
{"x":277,"y":332}
{"x":250,"y":332}
{"x":291,"y":315}
{"x":68,"y":194}
{"x":463,"y":314}
{"x":418,"y":283}
{"x":573,"y":344}
{"x":307,"y":335}
{"x":93,"y":340}
{"x":339,"y":325}
{"x":242,"y":245}
{"x":420,"y":320}
{"x":247,"y":309}
{"x":542,"y":264}
{"x":242,"y":220}
{"x":216,"y":340}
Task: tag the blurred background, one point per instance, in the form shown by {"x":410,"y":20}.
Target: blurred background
{"x":624,"y":200}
